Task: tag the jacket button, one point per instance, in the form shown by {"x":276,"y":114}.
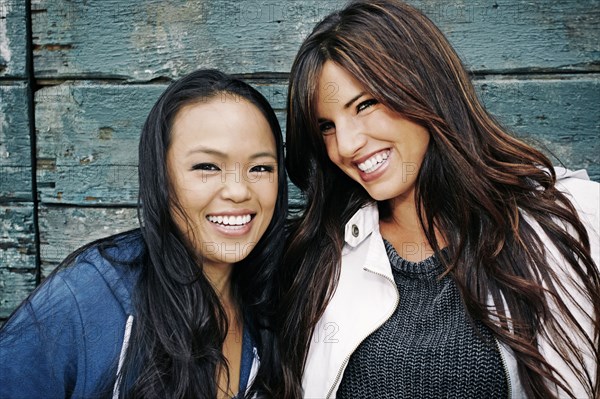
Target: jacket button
{"x":355,"y":230}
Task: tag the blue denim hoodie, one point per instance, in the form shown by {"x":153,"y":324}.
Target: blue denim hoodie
{"x":69,"y":340}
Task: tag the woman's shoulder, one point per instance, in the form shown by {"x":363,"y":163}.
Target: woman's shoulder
{"x":71,"y":327}
{"x":94,"y":289}
{"x":96,"y":280}
{"x":109,"y":267}
{"x":583,"y":193}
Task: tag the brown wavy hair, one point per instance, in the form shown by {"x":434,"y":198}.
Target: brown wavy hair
{"x":476,"y":185}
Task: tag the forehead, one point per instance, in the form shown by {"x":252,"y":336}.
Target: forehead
{"x":229,"y":123}
{"x":335,"y":87}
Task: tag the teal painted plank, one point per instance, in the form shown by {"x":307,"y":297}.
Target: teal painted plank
{"x":64,"y":229}
{"x":87,"y":140}
{"x":147,"y":39}
{"x":15,"y":151}
{"x":87,"y":137}
{"x":14,"y":288}
{"x":88,"y":133}
{"x":12,"y":38}
{"x":561,"y":117}
{"x":17,"y":255}
{"x":519,"y":35}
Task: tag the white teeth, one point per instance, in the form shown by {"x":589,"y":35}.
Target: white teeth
{"x":230,"y":220}
{"x":373,"y":163}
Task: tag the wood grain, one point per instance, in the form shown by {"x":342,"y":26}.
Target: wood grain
{"x":64,"y":229}
{"x":17,"y":255}
{"x":15,"y":145}
{"x":149,"y":39}
{"x":13,"y":38}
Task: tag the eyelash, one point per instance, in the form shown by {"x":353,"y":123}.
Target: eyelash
{"x":366,"y":104}
{"x":325,"y":126}
{"x":207,"y":167}
{"x":210,"y":167}
{"x":263,"y":169}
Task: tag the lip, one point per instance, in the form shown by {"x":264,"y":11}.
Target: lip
{"x":232,"y":230}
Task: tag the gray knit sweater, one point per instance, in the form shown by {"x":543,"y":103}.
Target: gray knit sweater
{"x":429,"y":347}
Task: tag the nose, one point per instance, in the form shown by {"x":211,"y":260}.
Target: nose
{"x":235,"y":187}
{"x":350,"y":138}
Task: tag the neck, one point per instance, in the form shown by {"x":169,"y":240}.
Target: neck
{"x":404,"y":231}
{"x":404,"y":214}
{"x":219,"y":276}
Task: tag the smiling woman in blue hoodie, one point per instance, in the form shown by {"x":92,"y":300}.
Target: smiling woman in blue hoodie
{"x":180,"y":306}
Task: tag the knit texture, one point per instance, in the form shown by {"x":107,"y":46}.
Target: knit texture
{"x":428,"y":348}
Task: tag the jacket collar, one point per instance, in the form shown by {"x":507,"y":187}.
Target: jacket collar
{"x":361,"y":225}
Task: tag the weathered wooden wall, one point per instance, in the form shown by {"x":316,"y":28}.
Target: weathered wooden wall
{"x":18,"y":249}
{"x":99,"y":66}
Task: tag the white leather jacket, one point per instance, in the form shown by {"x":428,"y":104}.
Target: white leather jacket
{"x":366,"y":296}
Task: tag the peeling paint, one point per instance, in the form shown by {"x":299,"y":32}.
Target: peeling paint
{"x":53,"y":47}
{"x":5,"y":52}
{"x":87,"y":160}
{"x":3,"y":126}
{"x":105,"y":133}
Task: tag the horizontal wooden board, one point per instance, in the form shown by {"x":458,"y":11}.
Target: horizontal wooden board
{"x":88,"y":133}
{"x":17,"y":255}
{"x":13,"y":38}
{"x":15,"y":149}
{"x":149,"y":39}
{"x":64,"y":229}
{"x":87,"y":137}
{"x":561,"y":117}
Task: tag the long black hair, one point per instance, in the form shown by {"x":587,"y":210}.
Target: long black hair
{"x":180,"y":324}
{"x":489,"y":194}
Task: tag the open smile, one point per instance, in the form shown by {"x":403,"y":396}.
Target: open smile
{"x":232,"y":225}
{"x":374,"y":162}
{"x":230,"y":220}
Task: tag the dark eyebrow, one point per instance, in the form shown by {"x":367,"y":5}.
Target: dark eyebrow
{"x":349,"y":103}
{"x":207,"y":150}
{"x":220,"y":154}
{"x":264,"y":154}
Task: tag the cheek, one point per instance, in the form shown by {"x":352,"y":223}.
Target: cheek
{"x":271,"y":197}
{"x":422,"y":147}
{"x":332,"y":151}
{"x":266,"y":194}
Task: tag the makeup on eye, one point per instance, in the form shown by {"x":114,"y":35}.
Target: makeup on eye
{"x":366,"y":104}
{"x":252,"y":167}
{"x":262,"y":168}
{"x":326,"y":127}
{"x":205,"y":166}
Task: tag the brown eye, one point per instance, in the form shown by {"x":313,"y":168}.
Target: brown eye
{"x":326,"y":127}
{"x":262,"y":169}
{"x":208,"y":167}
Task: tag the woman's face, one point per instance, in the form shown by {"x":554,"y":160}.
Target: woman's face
{"x":222,"y":163}
{"x":375,"y":146}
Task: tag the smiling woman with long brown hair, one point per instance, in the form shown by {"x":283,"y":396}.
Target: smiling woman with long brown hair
{"x":437,"y":256}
